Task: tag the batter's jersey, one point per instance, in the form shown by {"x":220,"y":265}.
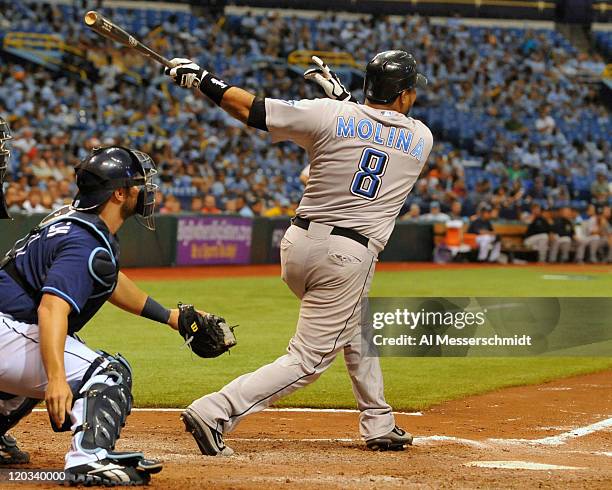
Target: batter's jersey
{"x":363,"y":161}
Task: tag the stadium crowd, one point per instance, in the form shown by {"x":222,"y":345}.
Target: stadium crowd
{"x":516,"y":121}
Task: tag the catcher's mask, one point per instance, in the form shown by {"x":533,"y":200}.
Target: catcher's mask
{"x":114,"y":167}
{"x":5,"y":155}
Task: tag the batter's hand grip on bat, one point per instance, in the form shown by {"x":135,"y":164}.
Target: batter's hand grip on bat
{"x":109,"y":30}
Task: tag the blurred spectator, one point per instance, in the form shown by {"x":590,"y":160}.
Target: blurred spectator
{"x":455,"y":211}
{"x":588,"y":236}
{"x":210,"y":205}
{"x":33,"y":204}
{"x":562,"y":235}
{"x":282,"y":207}
{"x":600,"y":188}
{"x":545,"y":123}
{"x":171,"y":205}
{"x":414,"y":213}
{"x":435,"y":215}
{"x":538,"y":234}
{"x":605,"y":230}
{"x":242,"y":209}
{"x":197,"y":204}
{"x":489,"y":244}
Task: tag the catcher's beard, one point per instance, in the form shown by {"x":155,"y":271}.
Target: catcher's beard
{"x":128,"y":208}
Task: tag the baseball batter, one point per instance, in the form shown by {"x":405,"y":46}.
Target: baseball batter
{"x":364,"y":160}
{"x":53,"y":281}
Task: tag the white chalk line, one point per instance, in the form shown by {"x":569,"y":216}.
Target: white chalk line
{"x":545,"y":441}
{"x":417,"y":440}
{"x":560,"y":438}
{"x":521,"y":465}
{"x":306,"y":410}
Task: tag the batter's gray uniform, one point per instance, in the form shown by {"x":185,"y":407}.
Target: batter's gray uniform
{"x":363,"y":163}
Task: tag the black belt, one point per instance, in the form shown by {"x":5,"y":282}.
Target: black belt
{"x":336,"y":230}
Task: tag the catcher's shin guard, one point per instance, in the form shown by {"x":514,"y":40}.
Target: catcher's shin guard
{"x":393,"y":441}
{"x":105,"y":410}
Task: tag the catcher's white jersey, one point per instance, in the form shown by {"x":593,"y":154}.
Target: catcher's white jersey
{"x":363,"y":161}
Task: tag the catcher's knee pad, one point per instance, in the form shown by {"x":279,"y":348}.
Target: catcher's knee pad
{"x":120,"y":364}
{"x":13,"y":409}
{"x":105,"y":410}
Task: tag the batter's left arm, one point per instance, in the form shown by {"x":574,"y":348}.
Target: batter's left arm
{"x":129,"y":297}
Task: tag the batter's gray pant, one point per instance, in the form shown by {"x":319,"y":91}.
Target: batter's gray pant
{"x":330,"y":274}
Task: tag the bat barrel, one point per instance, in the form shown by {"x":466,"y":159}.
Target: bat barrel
{"x":91,"y":17}
{"x":109,"y":30}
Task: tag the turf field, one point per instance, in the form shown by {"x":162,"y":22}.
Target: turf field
{"x":168,"y":376}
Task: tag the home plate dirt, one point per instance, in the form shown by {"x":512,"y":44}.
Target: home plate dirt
{"x":482,"y":441}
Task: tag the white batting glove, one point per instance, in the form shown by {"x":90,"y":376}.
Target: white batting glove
{"x":185,"y":73}
{"x":327,"y":79}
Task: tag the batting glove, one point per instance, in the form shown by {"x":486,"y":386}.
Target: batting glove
{"x":327,"y":79}
{"x":185,"y":73}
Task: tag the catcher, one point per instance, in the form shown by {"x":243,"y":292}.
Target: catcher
{"x":53,"y":282}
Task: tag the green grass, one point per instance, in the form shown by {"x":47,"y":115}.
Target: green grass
{"x":167,"y":376}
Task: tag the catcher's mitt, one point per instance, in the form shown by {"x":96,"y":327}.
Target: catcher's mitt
{"x":207,"y":335}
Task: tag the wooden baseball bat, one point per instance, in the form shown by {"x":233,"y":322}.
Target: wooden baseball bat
{"x":109,"y":30}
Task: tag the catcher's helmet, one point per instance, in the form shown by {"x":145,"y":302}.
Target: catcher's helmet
{"x":114,"y":167}
{"x":389,"y":73}
{"x":5,"y":155}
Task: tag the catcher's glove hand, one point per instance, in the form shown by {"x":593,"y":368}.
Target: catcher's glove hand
{"x":328,"y":80}
{"x":207,"y":335}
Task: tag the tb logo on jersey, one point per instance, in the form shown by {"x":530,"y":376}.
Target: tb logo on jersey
{"x":58,"y":229}
{"x":367,"y":180}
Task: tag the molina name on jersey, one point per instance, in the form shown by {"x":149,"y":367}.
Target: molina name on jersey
{"x":389,"y":136}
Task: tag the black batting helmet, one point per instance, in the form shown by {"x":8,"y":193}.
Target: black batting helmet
{"x":5,"y":155}
{"x":389,"y":73}
{"x":114,"y":167}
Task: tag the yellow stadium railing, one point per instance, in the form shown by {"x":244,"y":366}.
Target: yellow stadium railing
{"x":37,"y":43}
{"x":303,"y":57}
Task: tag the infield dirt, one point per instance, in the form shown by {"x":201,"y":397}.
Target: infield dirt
{"x":277,"y":449}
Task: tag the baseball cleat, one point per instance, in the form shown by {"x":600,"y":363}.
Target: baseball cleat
{"x":393,"y":441}
{"x":10,"y":452}
{"x":117,"y":470}
{"x":209,"y":440}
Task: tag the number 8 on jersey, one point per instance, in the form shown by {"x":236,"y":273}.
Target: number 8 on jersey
{"x":367,"y":180}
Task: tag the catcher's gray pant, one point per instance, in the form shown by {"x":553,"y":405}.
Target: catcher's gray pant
{"x":330,"y":274}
